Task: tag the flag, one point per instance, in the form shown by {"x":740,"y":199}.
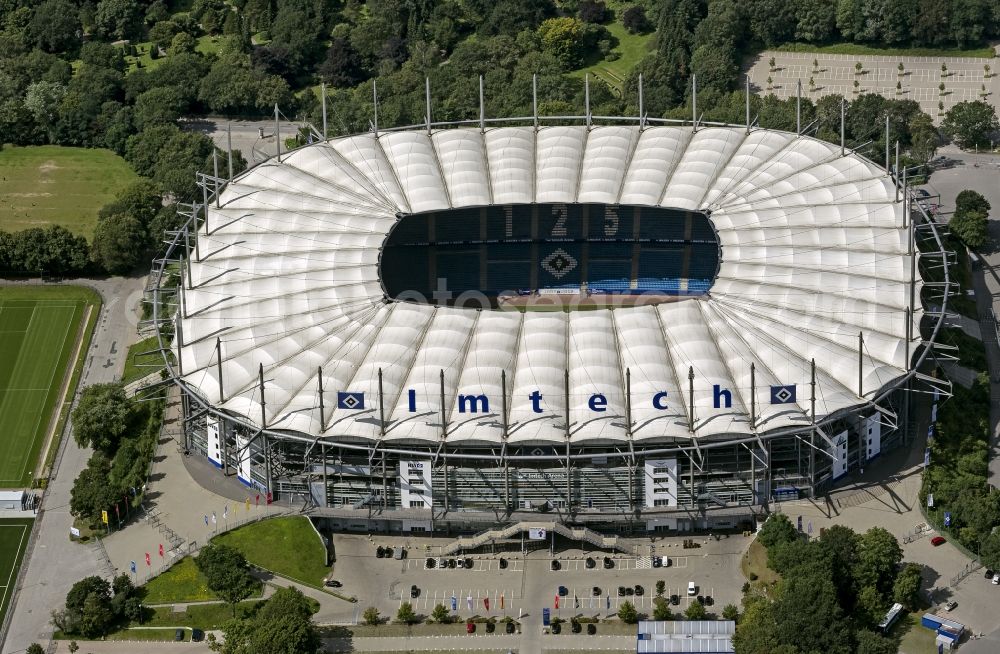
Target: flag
{"x":501,"y":600}
{"x":104,"y":517}
{"x":206,"y":520}
{"x":117,"y":512}
{"x":149,"y":561}
{"x":351,"y":401}
{"x":783,"y":394}
{"x":248,"y":503}
{"x":269,"y":497}
{"x":609,"y":602}
{"x":486,"y":603}
{"x":454,"y":603}
{"x":161,"y":550}
{"x":132,"y":566}
{"x":557,"y":601}
{"x":468,"y":602}
{"x":214,"y":521}
{"x":225,"y":513}
{"x":258,"y":499}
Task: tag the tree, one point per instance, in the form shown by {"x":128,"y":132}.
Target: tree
{"x":990,"y":551}
{"x":91,"y":492}
{"x":878,"y":555}
{"x":969,"y":200}
{"x":634,"y":20}
{"x":55,"y":26}
{"x":34,"y":648}
{"x":440,"y":614}
{"x":816,"y":20}
{"x":592,"y":11}
{"x":371,"y":616}
{"x":101,"y":417}
{"x":562,"y":38}
{"x":777,"y":529}
{"x":227,"y":572}
{"x":971,"y":123}
{"x":731,"y":612}
{"x":119,"y":243}
{"x":772,"y":22}
{"x":118,"y":19}
{"x":661,"y":609}
{"x":342,"y":66}
{"x":282,"y":626}
{"x":95,"y":617}
{"x":140,"y":199}
{"x":870,"y":642}
{"x":661,"y":586}
{"x":808,"y":615}
{"x":870,"y":607}
{"x":695,"y":611}
{"x":406,"y":614}
{"x":159,"y":105}
{"x":627,"y":613}
{"x":972,"y":227}
{"x":88,"y":607}
{"x":906,"y":588}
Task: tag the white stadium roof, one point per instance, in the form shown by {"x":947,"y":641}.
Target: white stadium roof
{"x":814,"y":251}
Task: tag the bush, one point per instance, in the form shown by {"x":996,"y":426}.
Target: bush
{"x":406,"y":614}
{"x":661,"y":586}
{"x":371,"y":616}
{"x":592,"y":11}
{"x":627,"y":613}
{"x":777,"y":529}
{"x":695,"y":611}
{"x":440,"y":614}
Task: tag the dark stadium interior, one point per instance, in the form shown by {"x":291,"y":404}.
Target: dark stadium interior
{"x":522,"y":249}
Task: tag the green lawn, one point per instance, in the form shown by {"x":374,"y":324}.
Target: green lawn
{"x":142,"y":360}
{"x":180,"y":584}
{"x":199,"y":616}
{"x":631,"y":48}
{"x":206,"y":45}
{"x":49,"y":184}
{"x":286,"y":546}
{"x":13,"y":541}
{"x":855,"y":49}
{"x":755,"y":561}
{"x":914,"y":638}
{"x":39,"y":326}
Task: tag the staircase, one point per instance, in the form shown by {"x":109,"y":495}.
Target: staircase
{"x":582,"y":534}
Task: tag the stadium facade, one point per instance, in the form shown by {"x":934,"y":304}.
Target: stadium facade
{"x":637,"y":325}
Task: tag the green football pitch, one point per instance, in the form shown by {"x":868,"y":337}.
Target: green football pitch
{"x":38,"y":331}
{"x":13,"y":541}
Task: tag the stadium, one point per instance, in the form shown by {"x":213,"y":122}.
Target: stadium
{"x":625,"y":323}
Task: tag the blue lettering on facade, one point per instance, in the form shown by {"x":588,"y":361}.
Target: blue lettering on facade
{"x":598,"y":403}
{"x":473,"y":404}
{"x":536,"y":399}
{"x":718,"y":394}
{"x":659,"y":401}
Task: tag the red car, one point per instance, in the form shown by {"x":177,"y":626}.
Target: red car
{"x":470,"y":627}
{"x":937,"y":540}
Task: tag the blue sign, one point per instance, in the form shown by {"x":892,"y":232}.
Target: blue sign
{"x":947,"y":518}
{"x":132,"y":566}
{"x":783,"y":394}
{"x":350,"y":400}
{"x":546,"y":616}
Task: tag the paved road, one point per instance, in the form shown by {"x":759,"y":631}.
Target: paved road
{"x":55,"y":563}
{"x":246,"y":135}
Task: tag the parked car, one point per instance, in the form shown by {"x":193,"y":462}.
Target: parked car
{"x":950,"y":605}
{"x":414,"y":591}
{"x":380,"y":552}
{"x":692,"y":589}
{"x":430,"y":563}
{"x":179,"y":635}
{"x":608,"y":563}
{"x":563,"y":591}
{"x":388,"y":552}
{"x":937,"y":540}
{"x":451,"y":564}
{"x":996,"y":579}
{"x":596,"y":591}
{"x":503,"y":564}
{"x":675,"y":600}
{"x":197,"y":635}
{"x":554,"y":565}
{"x":400,"y":553}
{"x":332,"y":583}
{"x":657,"y":561}
{"x":510,"y":628}
{"x":667,"y":562}
{"x":556,"y":628}
{"x":591,"y":563}
{"x":442,"y":564}
{"x":469,"y":564}
{"x":470,"y":627}
{"x":989,"y":574}
{"x":621,"y":591}
{"x":639,"y":590}
{"x":460,"y":563}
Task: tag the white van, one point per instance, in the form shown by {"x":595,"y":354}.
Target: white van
{"x":692,"y":589}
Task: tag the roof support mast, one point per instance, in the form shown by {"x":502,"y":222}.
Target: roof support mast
{"x":861,"y":365}
{"x":569,"y":487}
{"x":229,"y":148}
{"x":375,"y":108}
{"x":691,"y":399}
{"x":586,"y":98}
{"x":534,"y":99}
{"x":843,"y":107}
{"x":323,"y":93}
{"x":427,"y":96}
{"x":482,"y":108}
{"x":642,"y":110}
{"x":753,"y":397}
{"x":277,"y":132}
{"x":798,"y":108}
{"x":896,"y":170}
{"x":503,"y":451}
{"x":694,"y":102}
{"x":215,"y":170}
{"x":633,"y":506}
{"x":887,"y":143}
{"x":812,"y":432}
{"x":747,"y":97}
{"x":444,"y":446}
{"x":322,"y":406}
{"x":218,"y":361}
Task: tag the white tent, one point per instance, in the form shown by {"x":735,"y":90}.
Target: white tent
{"x":815,"y":263}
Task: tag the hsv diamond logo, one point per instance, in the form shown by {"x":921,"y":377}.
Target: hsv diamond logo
{"x":559,"y":263}
{"x":350,"y":400}
{"x":783,"y":394}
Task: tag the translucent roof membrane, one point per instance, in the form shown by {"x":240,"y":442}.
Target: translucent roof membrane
{"x":815,"y":263}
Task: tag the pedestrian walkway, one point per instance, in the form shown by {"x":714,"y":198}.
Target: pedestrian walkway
{"x":178,"y":513}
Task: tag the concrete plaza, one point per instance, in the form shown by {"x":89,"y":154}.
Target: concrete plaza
{"x":921,"y":77}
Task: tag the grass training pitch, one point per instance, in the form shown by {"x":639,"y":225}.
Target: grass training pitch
{"x":39,"y":327}
{"x":13,"y":542}
{"x":49,"y":184}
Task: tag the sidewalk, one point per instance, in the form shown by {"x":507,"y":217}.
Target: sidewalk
{"x":178,"y":505}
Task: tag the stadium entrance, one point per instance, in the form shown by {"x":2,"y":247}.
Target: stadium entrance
{"x":472,"y":256}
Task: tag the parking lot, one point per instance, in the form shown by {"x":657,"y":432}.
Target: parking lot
{"x":525,"y":583}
